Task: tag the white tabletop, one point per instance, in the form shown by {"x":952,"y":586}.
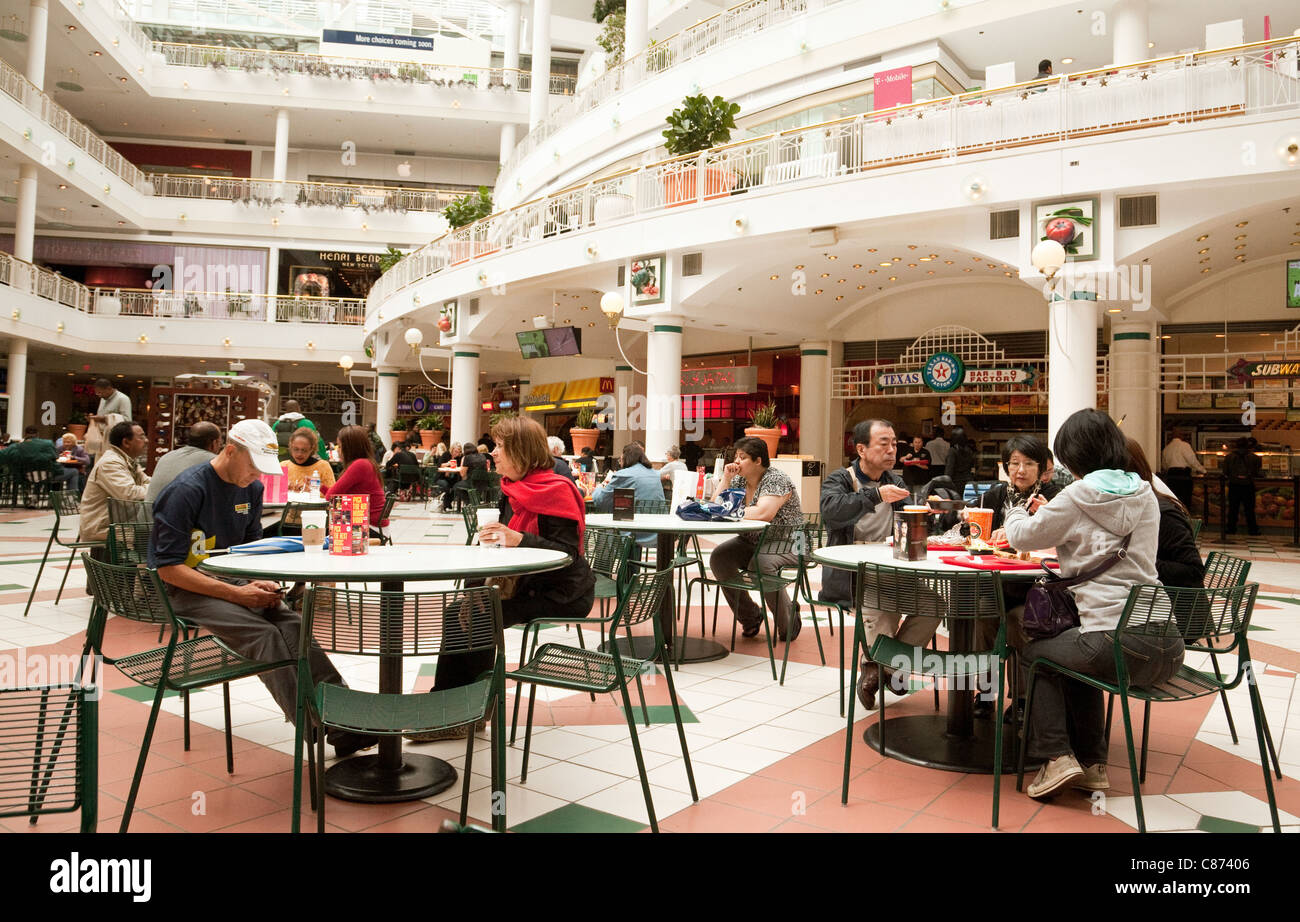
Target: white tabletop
{"x":404,"y":562}
{"x":848,"y":556}
{"x":668,"y":523}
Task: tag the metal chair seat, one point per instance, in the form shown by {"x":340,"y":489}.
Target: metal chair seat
{"x":196,"y":663}
{"x":580,"y":670}
{"x":377,"y":713}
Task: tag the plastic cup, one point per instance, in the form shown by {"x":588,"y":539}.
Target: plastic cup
{"x":984,"y":519}
{"x":487,"y":517}
{"x":313,"y":530}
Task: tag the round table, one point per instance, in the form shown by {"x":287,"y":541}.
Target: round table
{"x":669,"y":527}
{"x":389,"y":776}
{"x":955,"y":741}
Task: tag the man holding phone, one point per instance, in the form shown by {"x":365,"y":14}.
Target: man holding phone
{"x":214,"y":506}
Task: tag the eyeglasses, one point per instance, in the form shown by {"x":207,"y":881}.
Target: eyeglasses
{"x":1021,"y":465}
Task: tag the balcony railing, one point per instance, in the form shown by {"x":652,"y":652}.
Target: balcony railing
{"x":19,"y":275}
{"x":268,"y":192}
{"x":1187,"y":88}
{"x":265,"y":61}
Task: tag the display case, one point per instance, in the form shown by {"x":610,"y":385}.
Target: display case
{"x":171,"y":412}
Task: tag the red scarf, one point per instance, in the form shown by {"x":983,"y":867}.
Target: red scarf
{"x":543,"y":493}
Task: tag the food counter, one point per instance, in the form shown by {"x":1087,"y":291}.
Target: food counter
{"x":1275,"y":503}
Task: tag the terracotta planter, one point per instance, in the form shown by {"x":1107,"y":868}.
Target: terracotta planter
{"x":771,"y":436}
{"x":583,"y":438}
{"x":79,"y":430}
{"x":397,"y":435}
{"x":679,"y":188}
{"x":430,"y":438}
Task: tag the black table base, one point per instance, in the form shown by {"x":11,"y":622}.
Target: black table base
{"x":694,"y":649}
{"x":362,"y":779}
{"x":924,"y":740}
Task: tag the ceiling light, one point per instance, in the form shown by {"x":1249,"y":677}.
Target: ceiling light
{"x":926,"y":259}
{"x":831,"y":257}
{"x":1112,"y":310}
{"x":1205,"y":270}
{"x":871,"y":249}
{"x":1202,"y":237}
{"x":1067,"y":60}
{"x":857,"y":265}
{"x":817,"y":292}
{"x":1203,"y":250}
{"x":886,"y":265}
{"x":893,"y":278}
{"x":826,"y":275}
{"x":1240,"y":246}
{"x":860,"y":287}
{"x":774,"y":277}
{"x":798,"y":267}
{"x":911,"y":265}
{"x":947,"y":262}
{"x":62,"y":186}
{"x":1242,"y":223}
{"x":839,"y":297}
{"x":841,"y":281}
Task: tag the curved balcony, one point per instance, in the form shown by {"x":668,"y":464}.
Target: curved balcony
{"x":269,"y":193}
{"x":1188,"y":88}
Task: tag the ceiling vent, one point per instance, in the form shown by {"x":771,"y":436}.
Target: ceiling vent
{"x":473,"y":307}
{"x":1137,"y":210}
{"x":1004,"y":225}
{"x":622,"y":276}
{"x":692,"y":264}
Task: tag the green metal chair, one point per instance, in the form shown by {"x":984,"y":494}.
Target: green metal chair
{"x":470,"y":515}
{"x":136,"y":593}
{"x":129,"y":510}
{"x":42,"y":770}
{"x":776,"y":540}
{"x":408,"y":478}
{"x":1196,"y":527}
{"x":560,"y":666}
{"x":962,"y":599}
{"x":390,"y":500}
{"x":66,"y":504}
{"x":1202,"y":618}
{"x":402,"y":624}
{"x":128,"y":544}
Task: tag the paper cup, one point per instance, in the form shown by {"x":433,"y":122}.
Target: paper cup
{"x":486,"y":517}
{"x":313,"y":530}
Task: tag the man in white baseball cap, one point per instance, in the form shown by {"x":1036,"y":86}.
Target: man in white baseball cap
{"x":218,"y":505}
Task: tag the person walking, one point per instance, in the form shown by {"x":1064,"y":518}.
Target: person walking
{"x":1242,"y":467}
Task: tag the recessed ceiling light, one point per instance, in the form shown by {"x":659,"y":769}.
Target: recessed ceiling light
{"x":1203,"y":250}
{"x":1006,"y":274}
{"x":857,"y":265}
{"x":872,"y":271}
{"x":926,"y":259}
{"x":947,"y":262}
{"x":1202,"y":237}
{"x":62,"y":186}
{"x":911,"y":265}
{"x":774,"y":277}
{"x":886,"y":265}
{"x":839,"y":297}
{"x":897,"y":259}
{"x":966,"y":269}
{"x":1112,"y":310}
{"x":831,"y":257}
{"x":826,"y":275}
{"x":1240,"y":237}
{"x":911,"y":246}
{"x":930,"y":272}
{"x":893,"y":278}
{"x":860,"y":287}
{"x":97,"y":54}
{"x":817,"y":292}
{"x":798,"y":267}
{"x":873,"y":249}
{"x":1240,"y":246}
{"x":1242,"y":223}
{"x":1205,"y":270}
{"x":1067,"y":60}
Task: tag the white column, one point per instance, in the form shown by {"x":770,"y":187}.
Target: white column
{"x":281,"y":145}
{"x":509,"y":131}
{"x":1128,"y":24}
{"x":1134,"y":384}
{"x":464,"y":393}
{"x":25,"y":223}
{"x":1072,"y":360}
{"x":386,"y":403}
{"x":539,"y":96}
{"x":17,"y":386}
{"x":814,"y":398}
{"x":38,"y":20}
{"x":624,"y":388}
{"x":663,"y":385}
{"x":509,"y":138}
{"x":272,"y":281}
{"x":636,"y":31}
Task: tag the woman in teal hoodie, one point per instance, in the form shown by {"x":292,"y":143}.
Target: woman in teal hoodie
{"x":1087,"y":523}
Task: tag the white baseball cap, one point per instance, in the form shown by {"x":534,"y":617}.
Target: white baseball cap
{"x":261,"y":443}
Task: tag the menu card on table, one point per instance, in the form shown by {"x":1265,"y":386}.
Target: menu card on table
{"x":624,"y":504}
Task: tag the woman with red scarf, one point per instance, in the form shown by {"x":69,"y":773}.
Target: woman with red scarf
{"x":544,"y":510}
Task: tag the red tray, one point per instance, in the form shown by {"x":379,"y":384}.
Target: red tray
{"x":992,"y":563}
{"x":933,"y":546}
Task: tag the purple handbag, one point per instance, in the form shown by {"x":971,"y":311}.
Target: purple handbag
{"x":1050,"y":608}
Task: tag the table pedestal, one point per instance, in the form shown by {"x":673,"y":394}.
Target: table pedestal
{"x":925,"y":740}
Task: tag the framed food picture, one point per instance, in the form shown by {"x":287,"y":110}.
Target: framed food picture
{"x":1231,"y":401}
{"x":1200,"y":401}
{"x":647,"y":279}
{"x":1072,"y":223}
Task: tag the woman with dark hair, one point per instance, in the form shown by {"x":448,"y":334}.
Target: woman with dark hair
{"x":545,"y":511}
{"x":471,"y":459}
{"x":769,"y":497}
{"x":360,"y":474}
{"x":636,"y":473}
{"x":1025,"y":458}
{"x":1178,"y":562}
{"x":1108,"y":516}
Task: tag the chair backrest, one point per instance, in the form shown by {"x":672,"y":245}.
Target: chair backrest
{"x":1201,"y":617}
{"x":128,"y":591}
{"x":606,"y":551}
{"x":641,"y":601}
{"x":408,"y":474}
{"x":129,"y":510}
{"x":66,"y":505}
{"x":1223,"y":570}
{"x":780,"y":539}
{"x":402,"y":623}
{"x":128,"y":543}
{"x":389,"y":500}
{"x":650,"y":507}
{"x":470,"y":515}
{"x":814,"y":535}
{"x":480,"y":478}
{"x":49,"y":737}
{"x":962,"y":595}
{"x":1196,"y":527}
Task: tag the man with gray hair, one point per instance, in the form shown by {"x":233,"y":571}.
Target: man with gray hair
{"x":201,"y":445}
{"x":556,"y":445}
{"x":673,"y":464}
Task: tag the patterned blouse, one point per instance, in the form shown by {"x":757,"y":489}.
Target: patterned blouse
{"x":774,"y":483}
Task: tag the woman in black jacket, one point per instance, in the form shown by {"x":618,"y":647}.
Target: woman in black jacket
{"x":1178,"y":562}
{"x":1025,"y":458}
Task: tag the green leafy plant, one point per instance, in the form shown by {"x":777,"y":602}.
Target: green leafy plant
{"x":389,"y":258}
{"x":77,"y":418}
{"x":469,"y":209}
{"x":398,"y":425}
{"x":501,"y":415}
{"x":430,"y":422}
{"x":765,"y":416}
{"x":605,"y":8}
{"x":585,"y":416}
{"x":612,"y":38}
{"x":699,"y":124}
{"x":409,"y":72}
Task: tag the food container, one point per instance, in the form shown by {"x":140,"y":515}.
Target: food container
{"x":349,"y":525}
{"x":911,"y":531}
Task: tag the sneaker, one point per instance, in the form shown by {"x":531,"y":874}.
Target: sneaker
{"x":1094,"y":778}
{"x":1056,"y":774}
{"x":345,"y":742}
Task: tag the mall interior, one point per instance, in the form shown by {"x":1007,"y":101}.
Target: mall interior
{"x":475,"y":209}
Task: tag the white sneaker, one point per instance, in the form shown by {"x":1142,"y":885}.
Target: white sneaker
{"x":1056,"y":774}
{"x":1094,"y":778}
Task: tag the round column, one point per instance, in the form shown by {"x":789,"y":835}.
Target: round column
{"x":1071,"y":360}
{"x":38,"y":20}
{"x":17,"y":386}
{"x":624,"y":388}
{"x":663,"y":386}
{"x":509,"y":76}
{"x":636,"y":30}
{"x":1128,"y":23}
{"x":539,"y":95}
{"x":386,"y":404}
{"x":281,"y":145}
{"x":464,"y":393}
{"x":814,"y":398}
{"x":1134,"y":384}
{"x":25,"y":222}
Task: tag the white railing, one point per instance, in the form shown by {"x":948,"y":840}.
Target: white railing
{"x":132,"y":29}
{"x":265,"y":61}
{"x":21,"y":276}
{"x":268,"y":192}
{"x":1188,"y":88}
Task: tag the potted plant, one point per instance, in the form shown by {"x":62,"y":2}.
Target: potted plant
{"x":499,"y":415}
{"x":77,"y":424}
{"x":698,"y":125}
{"x":583,"y":433}
{"x":763,"y":426}
{"x":389,"y":258}
{"x":397,"y":430}
{"x":430,"y":426}
{"x":467,"y":210}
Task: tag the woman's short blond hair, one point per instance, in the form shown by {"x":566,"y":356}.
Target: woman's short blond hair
{"x":523,"y":441}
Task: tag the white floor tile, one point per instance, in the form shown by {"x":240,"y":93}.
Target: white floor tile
{"x":626,"y":800}
{"x":740,"y":757}
{"x":1232,"y":805}
{"x":709,"y":779}
{"x":618,"y":759}
{"x":780,"y":739}
{"x":1161,"y":813}
{"x":560,"y":743}
{"x":570,"y":782}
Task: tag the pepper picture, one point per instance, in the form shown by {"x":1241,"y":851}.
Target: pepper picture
{"x":1072,"y":224}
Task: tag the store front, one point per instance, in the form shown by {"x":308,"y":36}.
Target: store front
{"x":556,"y":406}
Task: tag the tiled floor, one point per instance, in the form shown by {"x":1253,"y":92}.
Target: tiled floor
{"x":766,"y":757}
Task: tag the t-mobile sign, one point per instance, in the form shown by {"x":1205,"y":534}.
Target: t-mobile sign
{"x":892,"y":88}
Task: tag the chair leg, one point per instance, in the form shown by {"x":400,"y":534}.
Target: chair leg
{"x":848,"y":736}
{"x":1223,"y":696}
{"x":185,"y":706}
{"x":997,"y":741}
{"x":841,"y":609}
{"x":1110,"y":710}
{"x":640,"y":760}
{"x":41,"y":569}
{"x":934,"y":645}
{"x":295,"y":808}
{"x":1022,"y":745}
{"x":1261,"y":735}
{"x":320,"y":779}
{"x":230,"y":742}
{"x":1132,"y":762}
{"x":528,"y":732}
{"x":681,"y":730}
{"x":144,"y":754}
{"x":645,"y":712}
{"x":63,"y":582}
{"x":523,"y":658}
{"x":469,"y":764}
{"x":880,"y":718}
{"x":312,"y":793}
{"x":1146,"y":727}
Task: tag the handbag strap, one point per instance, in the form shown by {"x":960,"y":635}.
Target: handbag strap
{"x":1062,"y":582}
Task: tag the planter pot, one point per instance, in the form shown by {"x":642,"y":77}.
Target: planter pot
{"x":771,"y":436}
{"x":398,"y":436}
{"x":679,"y":188}
{"x":430,"y":438}
{"x":583,"y":438}
{"x":79,"y":430}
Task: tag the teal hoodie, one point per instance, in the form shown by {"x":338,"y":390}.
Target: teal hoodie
{"x":1119,"y":483}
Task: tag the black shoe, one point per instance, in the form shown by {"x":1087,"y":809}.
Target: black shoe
{"x":1015,"y":713}
{"x":983,"y":709}
{"x":345,"y":742}
{"x":793,"y":632}
{"x":868,"y":685}
{"x":750,"y":630}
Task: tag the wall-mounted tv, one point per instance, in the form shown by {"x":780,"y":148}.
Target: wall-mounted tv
{"x":1293,"y":283}
{"x":532,"y":344}
{"x":558,"y":341}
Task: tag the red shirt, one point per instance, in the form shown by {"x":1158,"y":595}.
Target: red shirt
{"x":360,"y":477}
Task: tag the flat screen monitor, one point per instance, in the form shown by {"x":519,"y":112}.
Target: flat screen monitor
{"x":532,"y":344}
{"x":564,"y":341}
{"x":1293,"y":283}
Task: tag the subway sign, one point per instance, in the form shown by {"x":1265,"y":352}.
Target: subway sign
{"x":1244,"y":371}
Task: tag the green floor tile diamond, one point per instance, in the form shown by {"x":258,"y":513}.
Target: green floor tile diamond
{"x":577,"y":818}
{"x":1218,"y":824}
{"x":12,"y":586}
{"x":140,"y":693}
{"x":663,"y":714}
